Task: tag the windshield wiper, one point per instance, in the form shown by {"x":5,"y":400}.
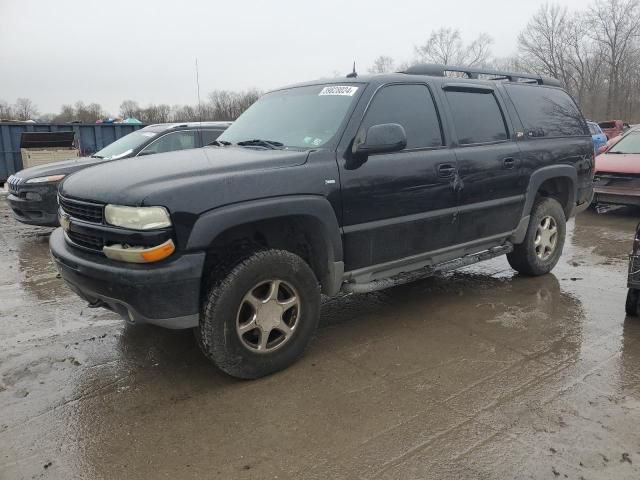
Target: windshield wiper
{"x":273,"y":145}
{"x":96,"y":156}
{"x":219,"y":143}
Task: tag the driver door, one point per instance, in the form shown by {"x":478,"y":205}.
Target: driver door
{"x":400,"y":204}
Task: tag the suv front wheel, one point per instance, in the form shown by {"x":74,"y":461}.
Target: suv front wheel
{"x":259,"y":314}
{"x":543,"y":243}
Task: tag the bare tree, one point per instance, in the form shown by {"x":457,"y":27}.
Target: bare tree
{"x":615,"y":26}
{"x":382,"y":64}
{"x":24,"y":109}
{"x":445,"y":46}
{"x":130,"y":109}
{"x":6,"y":111}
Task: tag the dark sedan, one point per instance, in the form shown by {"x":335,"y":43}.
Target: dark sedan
{"x":33,"y":191}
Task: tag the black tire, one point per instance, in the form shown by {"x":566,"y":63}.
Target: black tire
{"x":631,"y":304}
{"x":217,"y":334}
{"x":525,"y":258}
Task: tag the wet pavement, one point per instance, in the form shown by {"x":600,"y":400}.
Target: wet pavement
{"x":477,"y":374}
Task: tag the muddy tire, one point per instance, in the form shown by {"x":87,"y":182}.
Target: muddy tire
{"x":631,"y":304}
{"x":259,"y":314}
{"x":543,"y":243}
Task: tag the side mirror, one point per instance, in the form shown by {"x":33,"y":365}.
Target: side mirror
{"x":383,"y":138}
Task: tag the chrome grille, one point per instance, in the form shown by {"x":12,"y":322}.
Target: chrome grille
{"x":89,"y":212}
{"x":13,"y":183}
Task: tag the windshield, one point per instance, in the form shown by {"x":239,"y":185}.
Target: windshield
{"x":628,"y":144}
{"x":125,"y":145}
{"x":301,"y":117}
{"x":607,"y":125}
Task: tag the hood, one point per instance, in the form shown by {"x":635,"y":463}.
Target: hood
{"x":166,"y":176}
{"x":618,"y":163}
{"x":58,"y":168}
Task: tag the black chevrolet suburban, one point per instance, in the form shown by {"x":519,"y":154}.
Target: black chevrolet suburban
{"x":33,"y":191}
{"x":349,"y":185}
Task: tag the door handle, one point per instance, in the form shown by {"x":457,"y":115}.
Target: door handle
{"x":508,"y":163}
{"x":446,"y":170}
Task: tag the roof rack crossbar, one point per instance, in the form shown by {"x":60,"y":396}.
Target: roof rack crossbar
{"x":436,"y":70}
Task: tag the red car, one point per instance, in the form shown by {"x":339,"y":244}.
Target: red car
{"x":612,"y":128}
{"x":617,"y":172}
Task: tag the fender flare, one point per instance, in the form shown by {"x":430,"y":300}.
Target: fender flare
{"x":553,"y":171}
{"x":214,"y":222}
{"x":536,"y":179}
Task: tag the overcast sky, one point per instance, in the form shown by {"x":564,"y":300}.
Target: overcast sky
{"x":106,"y":51}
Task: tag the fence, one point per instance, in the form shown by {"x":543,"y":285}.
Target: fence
{"x":88,"y":137}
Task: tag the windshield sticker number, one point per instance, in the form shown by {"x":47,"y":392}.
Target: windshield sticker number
{"x":344,"y":90}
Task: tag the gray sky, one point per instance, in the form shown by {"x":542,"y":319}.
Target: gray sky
{"x":106,"y":51}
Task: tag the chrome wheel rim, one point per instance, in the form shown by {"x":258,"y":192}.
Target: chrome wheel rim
{"x":546,"y":238}
{"x":268,"y":316}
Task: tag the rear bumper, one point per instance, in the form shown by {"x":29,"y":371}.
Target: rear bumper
{"x":617,"y":196}
{"x":35,"y":205}
{"x":166,"y":294}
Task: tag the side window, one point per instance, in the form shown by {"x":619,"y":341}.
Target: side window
{"x":410,"y":106}
{"x":593,"y":129}
{"x":546,"y":112}
{"x":209,"y":136}
{"x":172,"y":141}
{"x":476,"y":116}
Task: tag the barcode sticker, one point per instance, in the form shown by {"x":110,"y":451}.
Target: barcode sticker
{"x":345,"y":90}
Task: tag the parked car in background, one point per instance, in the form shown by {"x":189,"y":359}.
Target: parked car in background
{"x":598,"y":137}
{"x":354,"y":184}
{"x":33,"y":191}
{"x":617,"y":172}
{"x":612,"y":128}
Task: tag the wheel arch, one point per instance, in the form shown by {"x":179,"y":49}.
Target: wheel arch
{"x":303,"y":224}
{"x":555,"y":181}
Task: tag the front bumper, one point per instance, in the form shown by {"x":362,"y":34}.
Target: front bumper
{"x":35,"y":204}
{"x":166,"y":293}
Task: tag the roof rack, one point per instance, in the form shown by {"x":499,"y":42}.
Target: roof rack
{"x":436,"y":70}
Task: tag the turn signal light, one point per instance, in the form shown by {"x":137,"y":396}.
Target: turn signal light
{"x":139,"y":254}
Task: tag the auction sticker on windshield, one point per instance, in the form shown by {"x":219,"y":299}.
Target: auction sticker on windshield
{"x":339,"y":90}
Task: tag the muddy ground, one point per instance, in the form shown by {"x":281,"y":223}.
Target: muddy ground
{"x":478,"y":374}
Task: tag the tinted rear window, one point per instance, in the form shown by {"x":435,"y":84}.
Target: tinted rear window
{"x":477,"y":117}
{"x":546,"y":112}
{"x":607,"y":125}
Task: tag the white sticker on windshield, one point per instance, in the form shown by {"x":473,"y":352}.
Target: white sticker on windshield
{"x":148,"y":134}
{"x":339,"y":90}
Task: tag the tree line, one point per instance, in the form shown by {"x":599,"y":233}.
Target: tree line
{"x":218,"y":105}
{"x":594,"y":52}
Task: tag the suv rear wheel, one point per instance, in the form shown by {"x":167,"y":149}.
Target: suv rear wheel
{"x":259,"y":314}
{"x":543,"y":243}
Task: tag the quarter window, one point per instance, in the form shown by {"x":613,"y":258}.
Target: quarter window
{"x":410,"y":106}
{"x":546,"y":112}
{"x":476,"y":116}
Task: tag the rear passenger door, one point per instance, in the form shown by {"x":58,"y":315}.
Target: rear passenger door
{"x":400,"y":204}
{"x":491,"y":185}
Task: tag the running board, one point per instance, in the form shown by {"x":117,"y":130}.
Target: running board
{"x":424,"y":272}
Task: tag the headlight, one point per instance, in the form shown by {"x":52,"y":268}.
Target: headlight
{"x":51,"y":178}
{"x":137,"y":218}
